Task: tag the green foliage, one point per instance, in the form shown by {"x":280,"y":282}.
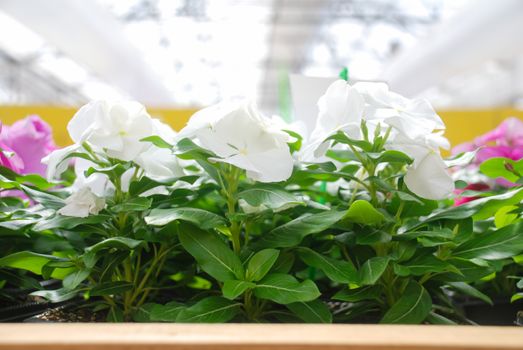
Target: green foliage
{"x":215,"y":246}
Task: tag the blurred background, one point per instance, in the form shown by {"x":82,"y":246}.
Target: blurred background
{"x":175,"y":56}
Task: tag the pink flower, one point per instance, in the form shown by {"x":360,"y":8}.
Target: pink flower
{"x":508,"y":134}
{"x":511,"y":152}
{"x":31,"y":139}
{"x":8,"y":158}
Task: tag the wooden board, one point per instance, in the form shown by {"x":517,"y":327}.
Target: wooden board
{"x":255,"y":337}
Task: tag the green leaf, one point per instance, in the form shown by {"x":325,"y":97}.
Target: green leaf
{"x":28,"y":261}
{"x":210,"y":310}
{"x":503,"y":243}
{"x":157,"y":141}
{"x":411,"y":308}
{"x":111,"y":288}
{"x":362,"y":212}
{"x":341,"y":137}
{"x":434,"y":318}
{"x":502,"y":167}
{"x":68,"y":222}
{"x":391,"y":156}
{"x":285,"y":289}
{"x":372,"y":270}
{"x":469,"y":290}
{"x":233,"y":288}
{"x":211,"y":253}
{"x":516,"y":297}
{"x":72,"y":280}
{"x":122,"y":243}
{"x":505,"y":216}
{"x":337,"y":270}
{"x":115,"y":315}
{"x":166,"y":313}
{"x":268,"y":196}
{"x":19,"y":280}
{"x":56,"y":296}
{"x":315,"y":311}
{"x":44,"y":198}
{"x":202,"y":218}
{"x":479,"y":209}
{"x":133,"y":204}
{"x":292,"y":233}
{"x":423,"y":264}
{"x":143,"y":313}
{"x":260,"y":264}
{"x":358,"y":294}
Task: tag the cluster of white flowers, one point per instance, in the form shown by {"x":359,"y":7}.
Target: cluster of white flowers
{"x":238,"y":134}
{"x":116,"y":129}
{"x":416,"y":130}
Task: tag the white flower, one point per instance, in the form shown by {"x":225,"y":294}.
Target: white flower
{"x":340,"y":108}
{"x":427,"y":176}
{"x":413,"y":118}
{"x":241,"y":136}
{"x":160,"y":163}
{"x":116,"y":127}
{"x":430,"y":178}
{"x":82,"y":203}
{"x":56,"y":161}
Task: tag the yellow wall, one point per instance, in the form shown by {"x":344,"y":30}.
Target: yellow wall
{"x":58,"y":117}
{"x":462,"y":125}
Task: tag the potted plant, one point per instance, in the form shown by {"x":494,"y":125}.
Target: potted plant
{"x":240,"y":218}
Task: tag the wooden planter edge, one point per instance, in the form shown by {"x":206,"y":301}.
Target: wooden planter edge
{"x":152,"y":336}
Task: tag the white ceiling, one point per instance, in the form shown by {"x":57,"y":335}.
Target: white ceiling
{"x":191,"y":53}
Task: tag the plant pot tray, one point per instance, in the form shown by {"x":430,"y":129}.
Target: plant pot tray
{"x":98,"y":336}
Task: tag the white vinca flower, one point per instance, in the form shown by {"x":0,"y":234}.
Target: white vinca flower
{"x":160,"y":163}
{"x":116,"y":127}
{"x":82,"y":203}
{"x":413,"y":118}
{"x":416,"y":131}
{"x":239,"y":135}
{"x":340,"y":108}
{"x":56,"y":161}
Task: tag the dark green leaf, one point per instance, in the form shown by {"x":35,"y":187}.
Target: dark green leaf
{"x":269,"y":196}
{"x":372,"y":270}
{"x":233,"y":288}
{"x":411,"y":308}
{"x":260,"y":264}
{"x":500,"y":244}
{"x":166,"y":313}
{"x":68,"y":222}
{"x":134,"y":204}
{"x":285,"y":289}
{"x":293,"y":232}
{"x":210,"y":310}
{"x":469,"y":290}
{"x":201,"y":218}
{"x":358,"y":294}
{"x":315,"y":311}
{"x":111,"y":288}
{"x":211,"y":253}
{"x":337,"y":270}
{"x":74,"y":279}
{"x":423,"y":264}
